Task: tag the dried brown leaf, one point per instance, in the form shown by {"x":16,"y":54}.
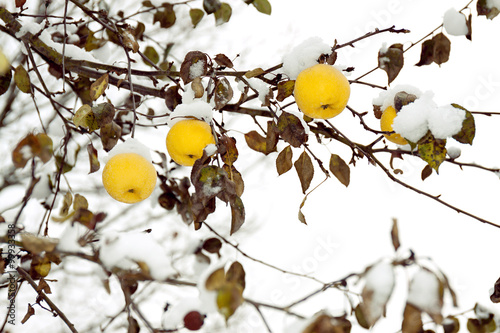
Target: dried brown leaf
{"x":305,"y":170}
{"x":284,"y":160}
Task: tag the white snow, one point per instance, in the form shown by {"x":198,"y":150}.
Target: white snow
{"x":71,"y":51}
{"x":42,"y":188}
{"x":68,"y":242}
{"x":445,"y":121}
{"x":493,"y":3}
{"x":455,"y":23}
{"x":382,"y":61}
{"x":424,"y":292}
{"x":198,"y":109}
{"x":304,"y":55}
{"x":211,"y":149}
{"x":197,"y":69}
{"x":125,"y":250}
{"x":384,"y":48}
{"x":379,"y":282}
{"x":130,"y":145}
{"x":453,"y":151}
{"x":412,"y":121}
{"x":259,"y":86}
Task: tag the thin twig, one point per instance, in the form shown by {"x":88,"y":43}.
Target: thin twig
{"x":61,"y":314}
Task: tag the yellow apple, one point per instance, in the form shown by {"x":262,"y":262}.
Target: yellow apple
{"x":129,"y":177}
{"x":187,"y":139}
{"x":386,"y":125}
{"x":321,"y":91}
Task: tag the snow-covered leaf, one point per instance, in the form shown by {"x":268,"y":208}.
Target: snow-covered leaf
{"x":195,"y":65}
{"x":483,"y":8}
{"x":426,"y":294}
{"x":378,"y":288}
{"x":391,"y":61}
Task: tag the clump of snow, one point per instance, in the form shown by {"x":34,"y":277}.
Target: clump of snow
{"x":453,"y":152}
{"x":384,"y":48}
{"x":197,"y":109}
{"x":304,"y":55}
{"x":211,"y":149}
{"x":125,"y":250}
{"x":197,"y":69}
{"x":130,"y":145}
{"x":415,"y":119}
{"x":259,"y":86}
{"x":412,"y":121}
{"x":446,"y":121}
{"x":455,"y":23}
{"x":386,"y":97}
{"x":424,"y":292}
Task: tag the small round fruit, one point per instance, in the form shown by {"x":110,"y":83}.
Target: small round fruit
{"x":187,"y":139}
{"x":129,"y":177}
{"x":321,"y":91}
{"x":193,"y":320}
{"x":386,"y":125}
